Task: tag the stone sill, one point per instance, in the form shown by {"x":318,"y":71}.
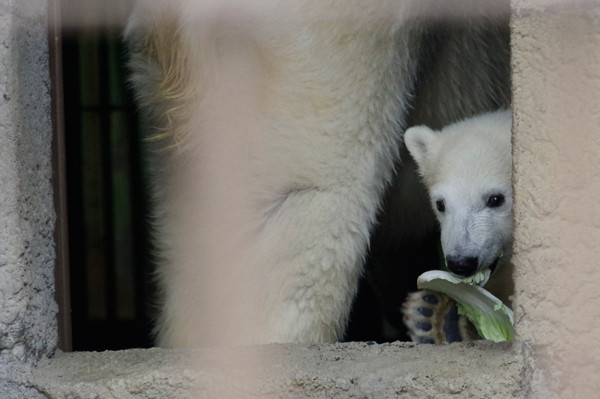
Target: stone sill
{"x":343,"y":370}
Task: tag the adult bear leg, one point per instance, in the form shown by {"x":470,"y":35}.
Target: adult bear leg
{"x":282,"y":137}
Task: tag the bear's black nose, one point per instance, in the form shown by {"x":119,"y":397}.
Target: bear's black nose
{"x":463,"y":266}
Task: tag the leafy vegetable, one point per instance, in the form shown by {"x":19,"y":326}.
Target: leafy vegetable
{"x":479,"y":278}
{"x":492,"y":319}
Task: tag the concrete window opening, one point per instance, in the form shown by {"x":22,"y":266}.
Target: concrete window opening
{"x":111,"y":294}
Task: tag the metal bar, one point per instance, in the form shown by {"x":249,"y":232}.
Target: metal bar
{"x":59,"y":180}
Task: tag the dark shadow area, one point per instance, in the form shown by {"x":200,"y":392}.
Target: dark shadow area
{"x":109,"y":249}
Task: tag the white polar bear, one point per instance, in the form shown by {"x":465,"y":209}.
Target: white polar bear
{"x":276,"y":125}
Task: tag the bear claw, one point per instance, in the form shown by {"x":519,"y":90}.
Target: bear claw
{"x":432,"y":318}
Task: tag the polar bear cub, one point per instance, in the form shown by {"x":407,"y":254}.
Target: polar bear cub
{"x":467,"y":169}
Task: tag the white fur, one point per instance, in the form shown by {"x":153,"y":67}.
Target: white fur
{"x":278,"y":126}
{"x":463,"y":165}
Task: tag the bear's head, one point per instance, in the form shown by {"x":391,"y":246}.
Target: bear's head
{"x":467,"y":168}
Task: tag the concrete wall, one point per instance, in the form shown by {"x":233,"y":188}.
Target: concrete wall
{"x":27,"y":307}
{"x":27,"y":316}
{"x":556,"y":83}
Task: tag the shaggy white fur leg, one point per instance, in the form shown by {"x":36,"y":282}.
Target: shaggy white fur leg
{"x":277,"y":137}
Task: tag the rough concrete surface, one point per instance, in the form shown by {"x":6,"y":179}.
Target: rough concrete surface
{"x":27,"y":316}
{"x":15,"y":378}
{"x":349,"y":370}
{"x":556,"y":101}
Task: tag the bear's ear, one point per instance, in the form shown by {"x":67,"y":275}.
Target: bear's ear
{"x":420,"y":141}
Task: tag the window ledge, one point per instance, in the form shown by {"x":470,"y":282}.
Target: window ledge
{"x":481,"y":369}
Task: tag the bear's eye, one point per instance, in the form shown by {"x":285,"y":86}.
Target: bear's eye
{"x":440,"y":205}
{"x":495,"y":200}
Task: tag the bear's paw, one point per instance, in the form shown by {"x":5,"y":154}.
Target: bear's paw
{"x":432,"y":318}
